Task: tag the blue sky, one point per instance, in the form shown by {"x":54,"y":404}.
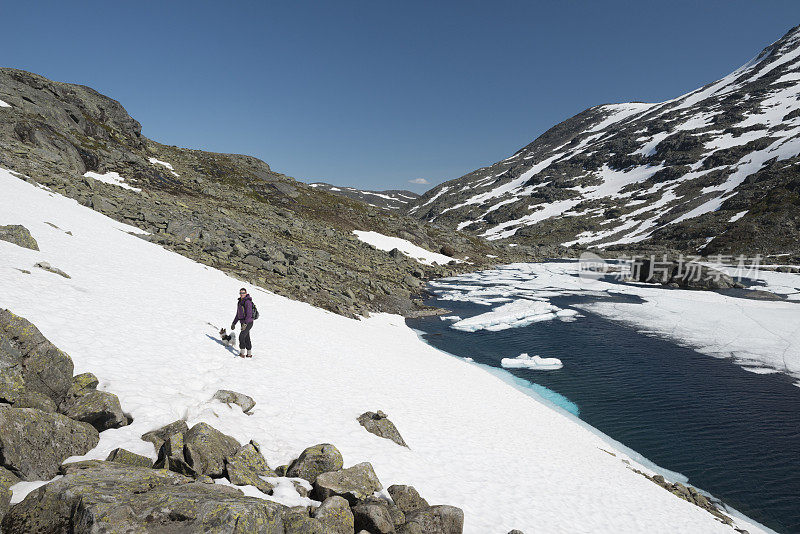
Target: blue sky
{"x":373,"y":94}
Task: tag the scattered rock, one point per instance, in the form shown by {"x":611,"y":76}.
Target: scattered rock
{"x":34,"y":399}
{"x":232,"y":397}
{"x":34,"y":443}
{"x":43,"y":367}
{"x":126,"y":457}
{"x":98,"y":408}
{"x":206,"y":449}
{"x":246,"y":467}
{"x":440,"y":519}
{"x":19,"y":235}
{"x":354,"y":483}
{"x":8,"y":479}
{"x":335,"y":515}
{"x":314,"y":461}
{"x":171,"y":456}
{"x":82,"y":384}
{"x":407,"y":498}
{"x":159,"y":435}
{"x":297,"y":521}
{"x":89,"y":500}
{"x":377,"y":423}
{"x":373,"y":516}
{"x":49,"y":268}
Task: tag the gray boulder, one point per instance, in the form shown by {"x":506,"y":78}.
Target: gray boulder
{"x":8,"y":479}
{"x":232,"y":397}
{"x":314,"y":461}
{"x":407,"y":498}
{"x":373,"y":516}
{"x":206,"y":449}
{"x":12,"y":383}
{"x":98,"y":408}
{"x":34,"y":399}
{"x":335,"y":515}
{"x":247,"y":466}
{"x":119,"y":498}
{"x":82,"y":384}
{"x":45,"y":266}
{"x":126,"y":457}
{"x":171,"y":456}
{"x":159,"y":435}
{"x":43,"y":367}
{"x":354,"y":483}
{"x":377,"y":423}
{"x":19,"y":235}
{"x":438,"y":520}
{"x":297,"y":521}
{"x":33,"y":443}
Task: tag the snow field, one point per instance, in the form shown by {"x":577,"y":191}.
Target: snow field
{"x":137,"y":316}
{"x":112,"y":178}
{"x":387,"y":243}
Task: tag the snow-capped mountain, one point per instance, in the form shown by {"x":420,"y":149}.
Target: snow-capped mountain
{"x":392,"y":199}
{"x":714,"y":170}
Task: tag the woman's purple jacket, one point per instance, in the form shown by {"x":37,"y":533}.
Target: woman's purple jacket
{"x":244,"y":310}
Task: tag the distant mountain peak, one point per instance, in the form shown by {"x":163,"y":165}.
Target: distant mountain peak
{"x":715,"y":169}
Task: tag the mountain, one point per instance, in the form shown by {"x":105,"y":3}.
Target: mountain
{"x":714,"y":170}
{"x":393,"y":199}
{"x":228,"y":211}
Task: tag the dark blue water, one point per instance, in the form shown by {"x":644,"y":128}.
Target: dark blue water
{"x":731,"y":432}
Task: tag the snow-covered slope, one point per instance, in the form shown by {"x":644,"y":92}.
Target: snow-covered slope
{"x":393,"y":199}
{"x":720,"y":162}
{"x":138,"y":316}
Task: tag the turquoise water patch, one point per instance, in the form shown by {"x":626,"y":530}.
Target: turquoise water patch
{"x":534,"y":390}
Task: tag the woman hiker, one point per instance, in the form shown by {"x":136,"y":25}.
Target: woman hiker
{"x":244,"y":315}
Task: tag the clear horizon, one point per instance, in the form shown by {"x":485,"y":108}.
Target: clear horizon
{"x":375,"y":96}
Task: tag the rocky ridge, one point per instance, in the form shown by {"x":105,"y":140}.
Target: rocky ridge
{"x":714,"y":171}
{"x":228,"y":211}
{"x":392,"y":199}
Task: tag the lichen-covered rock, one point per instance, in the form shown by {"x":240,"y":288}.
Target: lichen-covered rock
{"x":12,"y":384}
{"x":45,"y":266}
{"x":335,"y":515}
{"x":441,"y":519}
{"x":206,"y":449}
{"x":80,"y":465}
{"x":100,"y":409}
{"x":354,"y":483}
{"x":127,"y":457}
{"x":314,"y":461}
{"x":157,"y":436}
{"x":373,"y":516}
{"x":34,"y":399}
{"x":377,"y":423}
{"x":43,"y":367}
{"x":82,"y":384}
{"x":407,"y":498}
{"x":232,"y":397}
{"x":7,"y":479}
{"x":299,"y":522}
{"x":19,"y":235}
{"x":247,"y":466}
{"x":171,"y":456}
{"x":33,"y":443}
{"x":120,"y":498}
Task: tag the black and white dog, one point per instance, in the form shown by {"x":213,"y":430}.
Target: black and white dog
{"x":228,"y":339}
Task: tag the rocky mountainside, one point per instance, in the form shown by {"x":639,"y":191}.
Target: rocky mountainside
{"x":392,"y":199}
{"x":715,"y":170}
{"x":228,"y":211}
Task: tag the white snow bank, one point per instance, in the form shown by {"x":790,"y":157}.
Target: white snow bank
{"x":471,"y":435}
{"x":523,"y":361}
{"x":385,"y":242}
{"x":111,"y":178}
{"x":512,"y":315}
{"x":4,"y":104}
{"x":155,"y":161}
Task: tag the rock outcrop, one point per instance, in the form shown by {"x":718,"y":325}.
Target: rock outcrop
{"x":245,"y":402}
{"x":379,"y":424}
{"x":19,"y":235}
{"x":314,"y":461}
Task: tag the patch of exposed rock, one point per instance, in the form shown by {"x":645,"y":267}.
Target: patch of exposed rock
{"x":19,"y":235}
{"x":379,"y":424}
